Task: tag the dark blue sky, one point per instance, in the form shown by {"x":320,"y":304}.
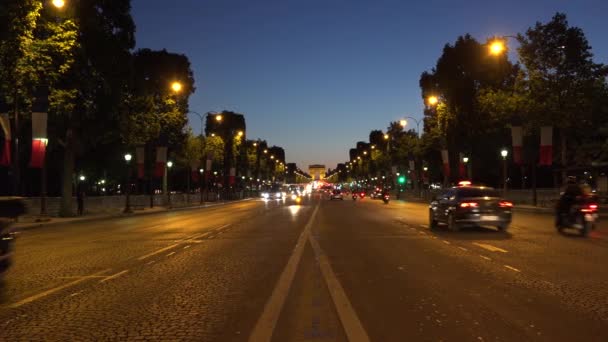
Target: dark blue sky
{"x":315,"y":76}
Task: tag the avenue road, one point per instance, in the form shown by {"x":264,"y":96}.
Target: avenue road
{"x":320,"y":271}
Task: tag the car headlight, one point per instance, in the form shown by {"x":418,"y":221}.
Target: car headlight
{"x":294,"y":197}
{"x":264,"y":194}
{"x":278,"y":194}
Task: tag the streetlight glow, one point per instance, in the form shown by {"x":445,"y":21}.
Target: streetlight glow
{"x":58,"y":3}
{"x":465,"y":159}
{"x":504,"y":153}
{"x":128,"y":157}
{"x":433,"y":100}
{"x":169,"y":164}
{"x":386,"y":137}
{"x":240,"y":133}
{"x":219,"y":118}
{"x":176,"y":87}
{"x":497,"y":47}
{"x":82,"y":177}
{"x":403,"y":123}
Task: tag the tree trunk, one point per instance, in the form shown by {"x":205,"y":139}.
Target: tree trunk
{"x":68,"y":175}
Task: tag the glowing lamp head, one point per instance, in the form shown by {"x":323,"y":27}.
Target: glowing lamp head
{"x":219,"y":118}
{"x":59,"y":3}
{"x":504,"y":153}
{"x":403,"y":123}
{"x":497,"y":47}
{"x":169,"y":164}
{"x":176,"y":87}
{"x":433,"y":100}
{"x":128,"y":157}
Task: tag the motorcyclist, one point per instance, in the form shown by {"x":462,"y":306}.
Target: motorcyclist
{"x":572,"y":192}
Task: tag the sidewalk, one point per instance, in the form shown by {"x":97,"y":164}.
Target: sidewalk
{"x":31,"y":222}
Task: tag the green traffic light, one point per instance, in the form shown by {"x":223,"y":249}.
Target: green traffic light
{"x":401,"y":180}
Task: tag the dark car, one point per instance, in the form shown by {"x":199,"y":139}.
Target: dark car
{"x":470,"y":206}
{"x":10,"y":208}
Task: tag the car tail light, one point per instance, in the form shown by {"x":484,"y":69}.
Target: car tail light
{"x":590,"y":208}
{"x":363,"y":194}
{"x":505,"y":204}
{"x":469,"y":204}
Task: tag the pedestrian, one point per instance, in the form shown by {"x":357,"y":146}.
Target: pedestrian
{"x":80,"y":200}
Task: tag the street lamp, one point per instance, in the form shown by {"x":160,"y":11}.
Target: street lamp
{"x":385,"y":136}
{"x":82,"y":178}
{"x":240,"y":133}
{"x":504,"y":153}
{"x":176,"y":87}
{"x":219,"y":118}
{"x":432,"y":100}
{"x":403,"y":123}
{"x":59,"y":3}
{"x":465,"y":160}
{"x":497,"y":47}
{"x":127,"y":209}
{"x":169,"y":166}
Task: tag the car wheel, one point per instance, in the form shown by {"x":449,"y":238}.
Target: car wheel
{"x":503,"y":227}
{"x":452,"y":225}
{"x":432,"y":222}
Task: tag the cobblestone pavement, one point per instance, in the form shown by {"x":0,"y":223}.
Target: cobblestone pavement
{"x":320,"y":271}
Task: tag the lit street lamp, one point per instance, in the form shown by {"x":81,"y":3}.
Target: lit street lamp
{"x":465,"y":160}
{"x":128,"y":210}
{"x":59,"y":3}
{"x":432,"y":100}
{"x":176,"y":87}
{"x":169,"y":166}
{"x":82,"y":178}
{"x":218,"y":118}
{"x":504,"y":153}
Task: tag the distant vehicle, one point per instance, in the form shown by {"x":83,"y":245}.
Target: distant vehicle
{"x":274,"y":192}
{"x":470,"y":206}
{"x":336,"y":194}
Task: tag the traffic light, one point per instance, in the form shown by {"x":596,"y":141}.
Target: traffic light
{"x":401,"y":180}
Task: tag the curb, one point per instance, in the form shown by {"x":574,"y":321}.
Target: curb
{"x":121,"y":215}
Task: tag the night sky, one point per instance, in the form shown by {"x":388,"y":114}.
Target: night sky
{"x":315,"y":76}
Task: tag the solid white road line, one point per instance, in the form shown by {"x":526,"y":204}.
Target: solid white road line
{"x":114,"y":276}
{"x":267,"y":321}
{"x":53,"y":290}
{"x":490,"y":247}
{"x":485,"y":257}
{"x":464,"y":249}
{"x":170,"y":254}
{"x":350,"y":322}
{"x":446,"y":242}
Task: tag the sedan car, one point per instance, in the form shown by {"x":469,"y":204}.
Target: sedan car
{"x":336,"y":194}
{"x":470,"y":206}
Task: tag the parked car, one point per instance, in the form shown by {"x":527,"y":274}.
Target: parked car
{"x":10,"y":208}
{"x":470,"y":206}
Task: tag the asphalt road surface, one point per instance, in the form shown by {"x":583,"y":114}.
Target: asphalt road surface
{"x":320,"y":271}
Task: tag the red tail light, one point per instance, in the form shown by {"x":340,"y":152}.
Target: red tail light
{"x":363,"y":194}
{"x":590,"y":208}
{"x":505,"y":204}
{"x":469,"y":204}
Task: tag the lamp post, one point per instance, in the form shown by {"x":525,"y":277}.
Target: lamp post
{"x":504,"y":153}
{"x":465,"y":160}
{"x":169,"y":166}
{"x":128,"y":184}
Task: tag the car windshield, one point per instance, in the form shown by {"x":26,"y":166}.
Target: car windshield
{"x":477,"y":192}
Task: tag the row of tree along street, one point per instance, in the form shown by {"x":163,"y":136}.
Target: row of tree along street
{"x":542,"y":117}
{"x":81,"y":109}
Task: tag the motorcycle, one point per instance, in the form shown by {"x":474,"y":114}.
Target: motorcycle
{"x":354,"y":196}
{"x":581,"y":216}
{"x":386,"y":198}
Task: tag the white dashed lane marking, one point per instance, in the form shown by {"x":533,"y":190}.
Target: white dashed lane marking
{"x":490,"y":247}
{"x":485,"y":257}
{"x":512,"y":268}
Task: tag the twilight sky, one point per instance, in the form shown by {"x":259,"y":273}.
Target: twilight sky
{"x":315,"y":76}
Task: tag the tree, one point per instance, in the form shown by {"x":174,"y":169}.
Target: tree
{"x":457,"y":122}
{"x":562,"y":79}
